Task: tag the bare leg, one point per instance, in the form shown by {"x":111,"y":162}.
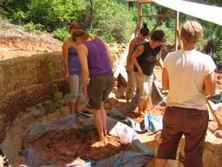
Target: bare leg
{"x":142,"y":106}
{"x":99,"y":123}
{"x":145,"y":106}
{"x":72,"y":106}
{"x":150,"y":103}
{"x":77,"y":107}
{"x":160,"y":163}
{"x":104,"y":118}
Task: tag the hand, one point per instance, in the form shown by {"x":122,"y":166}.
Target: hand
{"x":129,"y":68}
{"x":140,"y":71}
{"x":66,"y":76}
{"x":85,"y":90}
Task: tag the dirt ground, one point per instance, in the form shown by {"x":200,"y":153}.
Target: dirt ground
{"x":66,"y":146}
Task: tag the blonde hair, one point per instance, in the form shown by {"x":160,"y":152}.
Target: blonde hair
{"x":192,"y":31}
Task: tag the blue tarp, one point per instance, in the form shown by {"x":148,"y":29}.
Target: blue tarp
{"x":153,"y":123}
{"x":125,"y":159}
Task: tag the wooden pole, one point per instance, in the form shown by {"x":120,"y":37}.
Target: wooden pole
{"x":177,"y":27}
{"x":144,"y":1}
{"x":139,"y":16}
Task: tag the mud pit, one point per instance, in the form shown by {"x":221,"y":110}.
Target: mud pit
{"x":66,"y":146}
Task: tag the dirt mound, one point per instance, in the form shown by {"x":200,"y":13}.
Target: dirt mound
{"x":14,"y":42}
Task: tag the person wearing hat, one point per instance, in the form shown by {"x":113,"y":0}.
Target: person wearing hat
{"x":188,"y":75}
{"x":143,"y":61}
{"x":72,"y":67}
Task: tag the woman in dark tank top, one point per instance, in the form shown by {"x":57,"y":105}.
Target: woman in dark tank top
{"x":73,"y":67}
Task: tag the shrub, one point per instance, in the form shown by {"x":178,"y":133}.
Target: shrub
{"x":61,"y":33}
{"x":18,"y":17}
{"x":109,"y":21}
{"x":31,"y":27}
{"x":52,"y":14}
{"x":105,"y":18}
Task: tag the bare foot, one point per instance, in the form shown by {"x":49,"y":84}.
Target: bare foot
{"x":101,"y":143}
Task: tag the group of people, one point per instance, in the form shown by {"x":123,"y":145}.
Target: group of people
{"x":88,"y":68}
{"x":143,"y":54}
{"x":187,"y":74}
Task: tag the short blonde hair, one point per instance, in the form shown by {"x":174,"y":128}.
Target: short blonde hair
{"x":192,"y":31}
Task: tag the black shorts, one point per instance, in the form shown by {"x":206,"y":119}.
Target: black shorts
{"x":98,"y":90}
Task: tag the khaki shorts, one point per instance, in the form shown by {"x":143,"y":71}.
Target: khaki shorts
{"x":144,"y":84}
{"x":75,"y":87}
{"x":131,"y":85}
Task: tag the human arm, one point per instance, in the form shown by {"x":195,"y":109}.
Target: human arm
{"x":165,"y":74}
{"x":83,"y":53}
{"x":139,"y":50}
{"x":109,"y":55}
{"x":159,"y":61}
{"x":131,"y":48}
{"x":209,"y":80}
{"x":209,"y":84}
{"x":165,"y":79}
{"x":65,"y":57}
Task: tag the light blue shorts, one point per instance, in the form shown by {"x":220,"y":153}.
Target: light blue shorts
{"x":75,"y":87}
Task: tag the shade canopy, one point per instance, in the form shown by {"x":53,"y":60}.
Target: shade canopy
{"x":205,"y":12}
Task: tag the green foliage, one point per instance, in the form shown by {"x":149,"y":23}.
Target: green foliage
{"x":18,"y":4}
{"x":18,"y":17}
{"x":219,"y":47}
{"x":61,"y":33}
{"x":103,"y":18}
{"x":109,"y":22}
{"x":150,"y":10}
{"x":169,"y":31}
{"x":31,"y":27}
{"x":50,"y":13}
{"x":213,"y":32}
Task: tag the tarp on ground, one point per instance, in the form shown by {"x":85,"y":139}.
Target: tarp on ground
{"x":124,"y":132}
{"x":205,"y":12}
{"x":125,"y":159}
{"x":38,"y":130}
{"x":136,"y":158}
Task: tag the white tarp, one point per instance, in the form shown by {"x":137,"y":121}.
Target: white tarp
{"x":205,"y":12}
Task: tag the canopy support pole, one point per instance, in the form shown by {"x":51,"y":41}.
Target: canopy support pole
{"x":177,"y":31}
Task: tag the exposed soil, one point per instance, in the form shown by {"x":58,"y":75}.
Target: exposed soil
{"x":66,"y":146}
{"x":15,"y":42}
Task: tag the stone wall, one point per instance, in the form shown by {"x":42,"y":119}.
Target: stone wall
{"x":25,"y":81}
